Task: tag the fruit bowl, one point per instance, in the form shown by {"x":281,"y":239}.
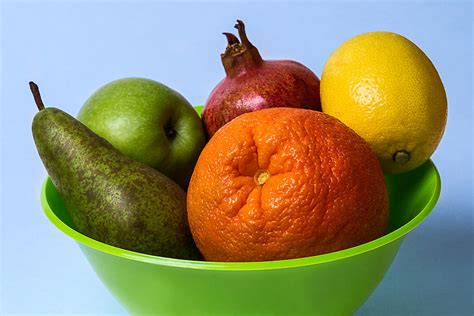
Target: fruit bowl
{"x":336,"y":283}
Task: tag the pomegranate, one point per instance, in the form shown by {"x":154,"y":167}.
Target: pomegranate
{"x":252,"y":84}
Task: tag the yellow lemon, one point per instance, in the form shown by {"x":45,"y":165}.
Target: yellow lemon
{"x":387,"y":90}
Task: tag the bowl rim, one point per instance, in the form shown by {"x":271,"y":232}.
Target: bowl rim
{"x":238,"y":266}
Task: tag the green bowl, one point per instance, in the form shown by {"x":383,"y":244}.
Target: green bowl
{"x":331,"y":284}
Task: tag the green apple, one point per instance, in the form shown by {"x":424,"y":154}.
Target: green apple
{"x":150,"y":123}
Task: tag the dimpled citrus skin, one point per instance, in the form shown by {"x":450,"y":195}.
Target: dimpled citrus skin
{"x":323,"y":189}
{"x":387,"y":90}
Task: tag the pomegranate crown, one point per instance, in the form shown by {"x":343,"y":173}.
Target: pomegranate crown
{"x":239,"y":53}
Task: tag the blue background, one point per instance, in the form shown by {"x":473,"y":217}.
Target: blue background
{"x":71,"y":49}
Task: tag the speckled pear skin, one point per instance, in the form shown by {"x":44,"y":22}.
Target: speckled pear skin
{"x":110,"y":197}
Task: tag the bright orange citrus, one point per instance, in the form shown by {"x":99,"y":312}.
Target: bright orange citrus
{"x":285,"y":183}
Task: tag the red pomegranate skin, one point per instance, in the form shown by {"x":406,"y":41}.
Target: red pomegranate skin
{"x":252,"y":84}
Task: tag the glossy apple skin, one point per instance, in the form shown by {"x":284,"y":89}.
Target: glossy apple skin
{"x":276,"y":83}
{"x":149,"y":122}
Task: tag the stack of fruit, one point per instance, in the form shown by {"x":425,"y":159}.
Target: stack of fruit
{"x":265,"y":175}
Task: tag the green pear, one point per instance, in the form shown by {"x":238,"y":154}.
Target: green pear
{"x":110,"y":197}
{"x":150,"y":123}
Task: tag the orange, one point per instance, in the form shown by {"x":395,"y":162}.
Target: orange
{"x":284,"y":183}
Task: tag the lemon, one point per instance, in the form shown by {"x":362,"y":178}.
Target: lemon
{"x":387,"y":90}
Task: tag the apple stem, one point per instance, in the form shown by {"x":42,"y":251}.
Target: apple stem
{"x":36,"y":95}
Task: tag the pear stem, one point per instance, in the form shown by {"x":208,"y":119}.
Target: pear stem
{"x":36,"y":95}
